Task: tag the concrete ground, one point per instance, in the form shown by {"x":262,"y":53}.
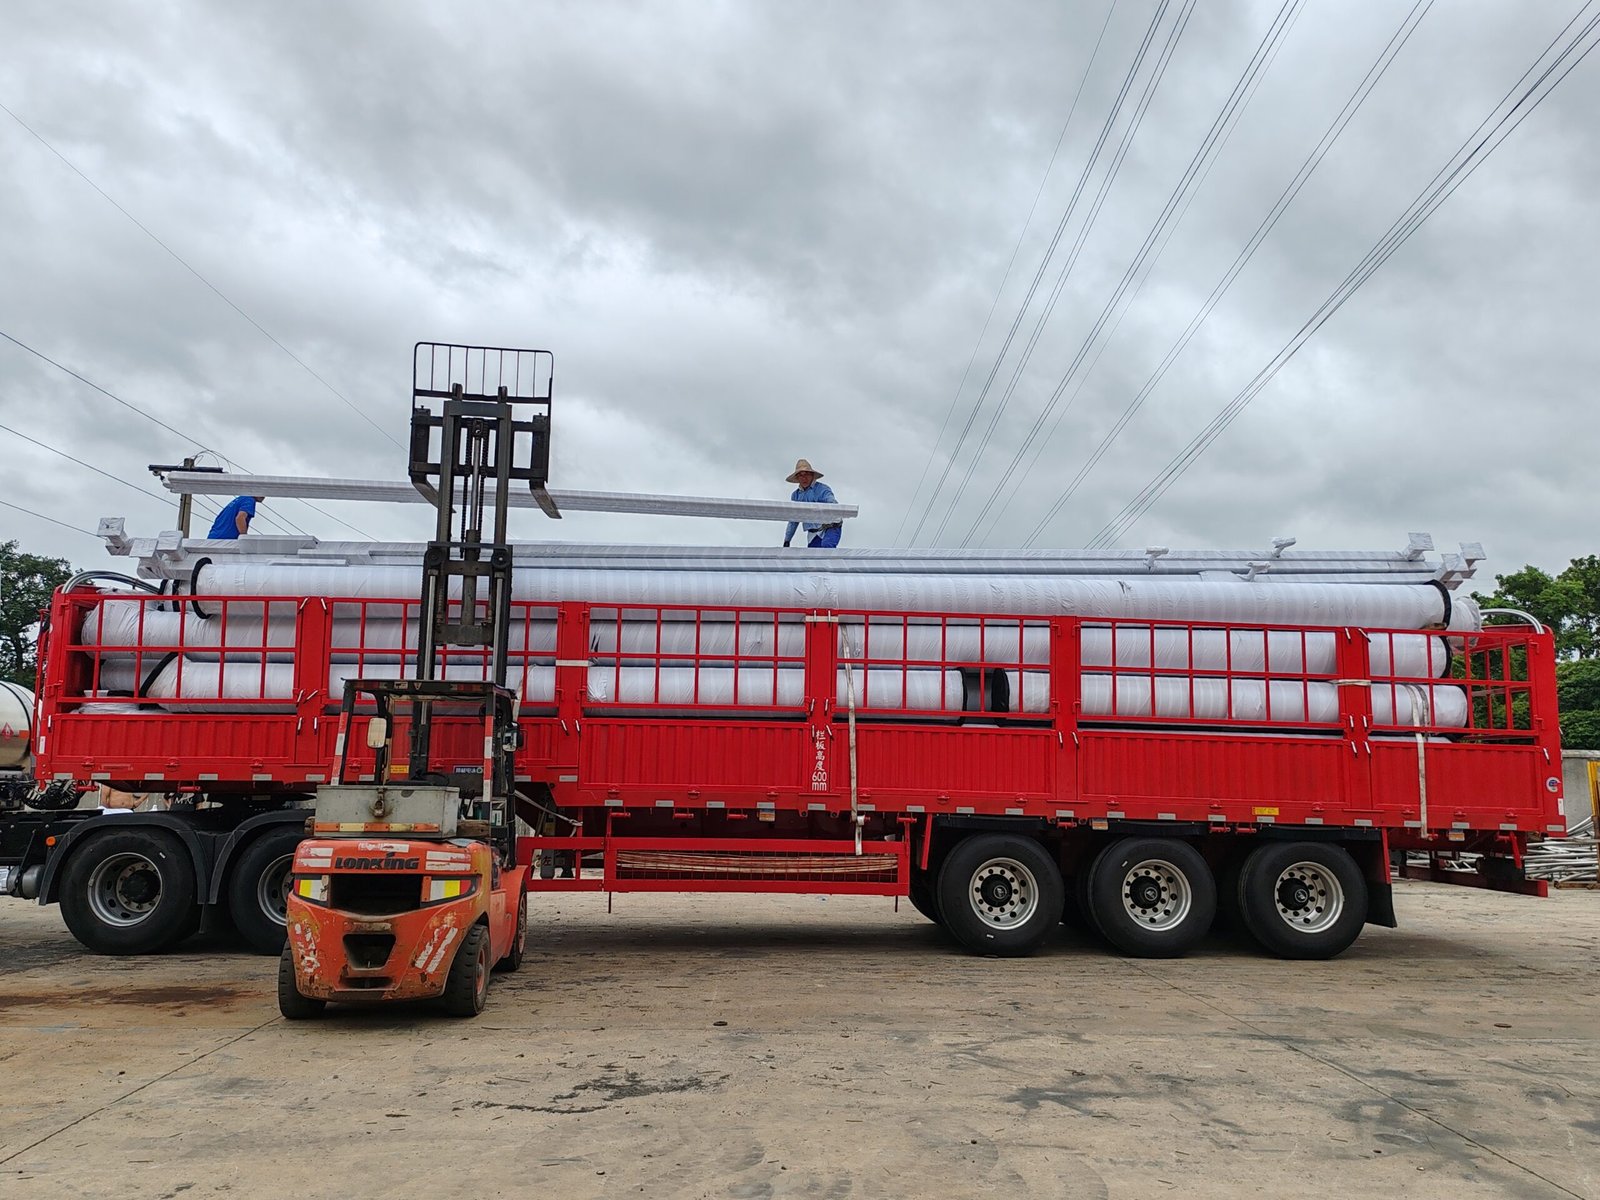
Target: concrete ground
{"x":709,"y":1046}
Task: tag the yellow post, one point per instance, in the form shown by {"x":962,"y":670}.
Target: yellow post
{"x":1594,"y":808}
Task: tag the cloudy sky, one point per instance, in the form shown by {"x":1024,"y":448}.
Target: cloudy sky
{"x":751,"y":232}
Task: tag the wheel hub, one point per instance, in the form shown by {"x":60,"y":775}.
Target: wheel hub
{"x":1156,"y":894}
{"x":1309,"y":897}
{"x":1294,"y":895}
{"x":997,"y":891}
{"x":124,"y":889}
{"x":1004,"y":893}
{"x":1145,"y":893}
{"x":138,"y":887}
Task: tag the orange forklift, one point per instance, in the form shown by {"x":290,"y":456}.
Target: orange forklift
{"x":408,"y":887}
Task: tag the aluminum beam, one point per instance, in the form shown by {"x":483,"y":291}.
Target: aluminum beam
{"x":379,"y":491}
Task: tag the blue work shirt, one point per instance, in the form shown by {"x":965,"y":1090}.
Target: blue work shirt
{"x":817,"y":493}
{"x":226,"y":525}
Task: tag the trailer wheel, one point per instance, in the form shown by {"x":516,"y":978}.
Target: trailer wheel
{"x":923,"y":894}
{"x":519,"y":939}
{"x":258,"y":889}
{"x":1152,"y":897}
{"x":130,"y":891}
{"x":292,"y":1003}
{"x":1303,"y":899}
{"x":1000,"y":894}
{"x":467,"y":986}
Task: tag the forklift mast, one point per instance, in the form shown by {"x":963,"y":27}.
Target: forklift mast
{"x":480,"y":424}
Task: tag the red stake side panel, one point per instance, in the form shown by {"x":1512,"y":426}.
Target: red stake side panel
{"x":689,"y":708}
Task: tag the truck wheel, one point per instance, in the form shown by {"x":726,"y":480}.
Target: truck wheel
{"x":467,"y":986}
{"x":519,"y":939}
{"x":258,"y":889}
{"x":292,"y":1003}
{"x":1000,"y":894}
{"x":1302,"y":899}
{"x":1152,"y":897}
{"x":130,"y":891}
{"x":923,"y":896}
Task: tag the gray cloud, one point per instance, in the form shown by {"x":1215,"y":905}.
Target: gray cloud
{"x":754,"y":232}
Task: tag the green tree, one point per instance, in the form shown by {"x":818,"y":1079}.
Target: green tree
{"x":26,"y":581}
{"x":1569,"y":603}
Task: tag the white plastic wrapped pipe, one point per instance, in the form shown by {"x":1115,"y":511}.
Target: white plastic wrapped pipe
{"x":1379,"y":606}
{"x":1242,"y":651}
{"x":188,"y":685}
{"x":920,"y":691}
{"x":883,"y":643}
{"x":1171,"y":697}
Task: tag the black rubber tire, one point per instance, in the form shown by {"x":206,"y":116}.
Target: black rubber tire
{"x":294,"y":1005}
{"x":923,"y":895}
{"x":1114,"y":876}
{"x":512,"y":959}
{"x":174,"y":913}
{"x":466,"y":988}
{"x":959,"y":894}
{"x":1229,"y":919}
{"x":262,"y":930}
{"x":1259,"y":882}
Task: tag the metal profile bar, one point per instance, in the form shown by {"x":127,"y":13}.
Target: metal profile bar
{"x":378,"y":491}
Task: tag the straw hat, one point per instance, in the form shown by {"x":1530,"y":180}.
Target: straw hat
{"x":801,"y":465}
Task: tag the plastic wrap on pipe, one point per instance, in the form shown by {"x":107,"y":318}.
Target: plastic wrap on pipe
{"x":1382,"y":606}
{"x":921,"y":691}
{"x":1268,"y":652}
{"x":192,"y":685}
{"x":1248,"y":700}
{"x":188,"y":685}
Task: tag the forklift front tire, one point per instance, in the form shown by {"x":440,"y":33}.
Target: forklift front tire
{"x":292,"y":1003}
{"x":467,"y":986}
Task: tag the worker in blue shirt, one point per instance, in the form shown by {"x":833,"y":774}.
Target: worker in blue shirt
{"x":811,"y":489}
{"x":235,"y":517}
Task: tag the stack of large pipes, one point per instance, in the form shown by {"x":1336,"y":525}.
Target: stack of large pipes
{"x":1147,"y":664}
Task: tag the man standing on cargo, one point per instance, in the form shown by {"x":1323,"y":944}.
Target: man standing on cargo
{"x":812,"y":490}
{"x":234,"y":519}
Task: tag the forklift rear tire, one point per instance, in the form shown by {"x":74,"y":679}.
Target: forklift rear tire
{"x":467,"y":986}
{"x":130,"y":891}
{"x":258,"y":891}
{"x":519,"y":939}
{"x":292,"y":1003}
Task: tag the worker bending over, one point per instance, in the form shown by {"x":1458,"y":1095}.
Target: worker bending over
{"x":234,"y":519}
{"x":812,"y":490}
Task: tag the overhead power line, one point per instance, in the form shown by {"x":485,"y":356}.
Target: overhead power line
{"x":1472,"y":154}
{"x":210,"y":507}
{"x":1140,"y":108}
{"x":52,"y":520}
{"x":187,"y":266}
{"x":1268,"y":222}
{"x":1044,"y":262}
{"x":1149,"y":252}
{"x":1006,"y":278}
{"x":185,"y":438}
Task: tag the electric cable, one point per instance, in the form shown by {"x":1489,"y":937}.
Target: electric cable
{"x":1044,"y":262}
{"x":1084,"y":230}
{"x":1141,"y":106}
{"x":1005,"y":278}
{"x":184,"y":263}
{"x":1155,"y":242}
{"x":1268,"y":222}
{"x":186,"y":438}
{"x":1445,"y":183}
{"x":52,"y":520}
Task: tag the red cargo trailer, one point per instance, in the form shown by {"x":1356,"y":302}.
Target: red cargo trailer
{"x":1004,"y":773}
